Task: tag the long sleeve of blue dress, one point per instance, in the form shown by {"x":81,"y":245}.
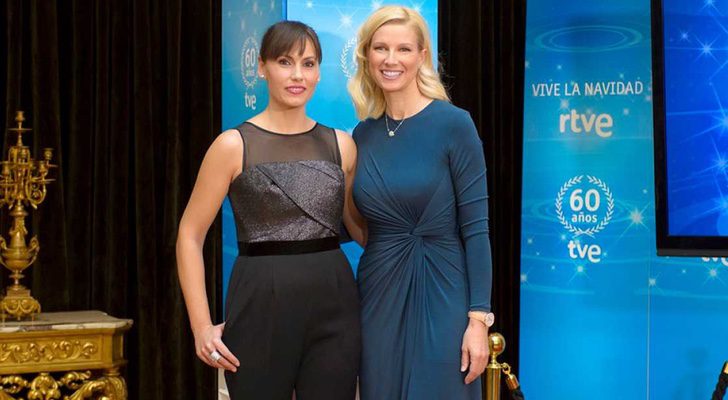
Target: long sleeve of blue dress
{"x":467,"y":166}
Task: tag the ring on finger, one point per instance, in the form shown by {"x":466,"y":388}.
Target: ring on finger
{"x":215,"y":355}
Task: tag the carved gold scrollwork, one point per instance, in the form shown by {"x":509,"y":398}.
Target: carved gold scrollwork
{"x":74,"y":380}
{"x":110,"y":386}
{"x":116,"y":387}
{"x":44,"y":387}
{"x":88,"y":390}
{"x":12,"y":384}
{"x":20,"y":353}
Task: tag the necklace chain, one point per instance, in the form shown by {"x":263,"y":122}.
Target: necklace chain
{"x":391,"y":132}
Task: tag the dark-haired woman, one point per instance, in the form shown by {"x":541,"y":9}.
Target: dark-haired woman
{"x":292,"y":310}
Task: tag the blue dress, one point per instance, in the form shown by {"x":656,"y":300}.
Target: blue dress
{"x":427,"y":260}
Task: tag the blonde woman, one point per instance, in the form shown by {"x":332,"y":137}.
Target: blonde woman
{"x":425,"y":275}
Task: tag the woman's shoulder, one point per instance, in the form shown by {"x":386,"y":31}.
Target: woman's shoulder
{"x":448,"y":111}
{"x":457,"y":126}
{"x":228,"y":143}
{"x":363,"y":127}
{"x":367,"y":123}
{"x":228,"y":139}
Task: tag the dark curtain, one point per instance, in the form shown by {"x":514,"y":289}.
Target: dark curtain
{"x":481,"y":46}
{"x":128,"y":94}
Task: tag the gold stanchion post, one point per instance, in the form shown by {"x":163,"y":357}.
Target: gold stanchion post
{"x":494,"y":370}
{"x":496,"y":345}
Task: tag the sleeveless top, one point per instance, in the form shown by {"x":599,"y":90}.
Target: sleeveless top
{"x":291,"y":188}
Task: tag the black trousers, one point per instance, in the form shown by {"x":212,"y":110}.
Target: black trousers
{"x":293,"y":322}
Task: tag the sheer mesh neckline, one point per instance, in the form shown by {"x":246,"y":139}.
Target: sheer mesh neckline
{"x":315,"y":125}
{"x":262,"y":146}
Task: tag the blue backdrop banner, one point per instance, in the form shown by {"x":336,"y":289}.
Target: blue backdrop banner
{"x":602,"y":317}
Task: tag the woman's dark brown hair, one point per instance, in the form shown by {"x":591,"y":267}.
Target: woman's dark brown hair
{"x":282,"y":37}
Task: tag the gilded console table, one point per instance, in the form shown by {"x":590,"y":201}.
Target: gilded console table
{"x":65,"y":355}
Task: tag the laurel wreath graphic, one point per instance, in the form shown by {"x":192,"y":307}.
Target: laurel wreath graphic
{"x":607,"y":217}
{"x":250,"y":76}
{"x":344,"y":62}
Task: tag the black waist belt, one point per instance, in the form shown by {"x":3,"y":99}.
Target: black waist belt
{"x":287,"y":247}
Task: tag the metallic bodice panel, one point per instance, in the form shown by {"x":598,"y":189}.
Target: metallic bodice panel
{"x":287,"y":200}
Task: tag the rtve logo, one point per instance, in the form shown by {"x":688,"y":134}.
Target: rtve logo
{"x":586,"y":123}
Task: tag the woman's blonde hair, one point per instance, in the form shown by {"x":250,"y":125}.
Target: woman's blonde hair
{"x":367,"y":96}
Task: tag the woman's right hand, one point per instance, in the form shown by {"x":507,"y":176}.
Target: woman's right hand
{"x":208,"y":340}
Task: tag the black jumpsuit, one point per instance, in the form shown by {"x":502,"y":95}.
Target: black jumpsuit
{"x":292,"y":307}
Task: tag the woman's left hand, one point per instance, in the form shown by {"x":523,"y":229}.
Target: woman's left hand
{"x":474,"y":350}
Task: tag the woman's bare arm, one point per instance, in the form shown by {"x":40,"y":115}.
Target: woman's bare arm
{"x":221,"y":164}
{"x":353,"y":220}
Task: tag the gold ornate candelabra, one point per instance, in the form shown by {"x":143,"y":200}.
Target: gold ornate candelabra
{"x":22,"y":182}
